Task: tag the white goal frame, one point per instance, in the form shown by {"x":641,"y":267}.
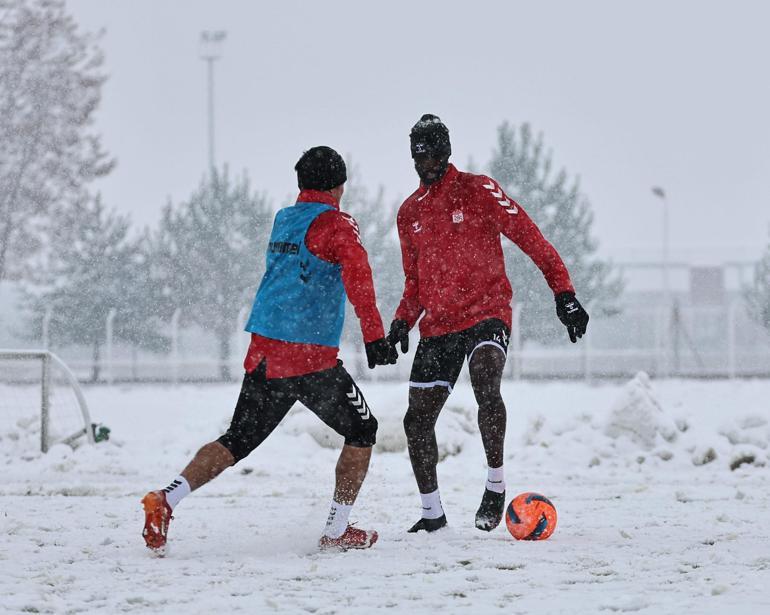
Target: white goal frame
{"x":48,"y":359}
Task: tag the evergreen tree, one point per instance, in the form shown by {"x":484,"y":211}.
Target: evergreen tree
{"x":377,"y":222}
{"x":50,"y":86}
{"x":90,"y":266}
{"x":555,"y":203}
{"x":758,"y":294}
{"x":209,"y":254}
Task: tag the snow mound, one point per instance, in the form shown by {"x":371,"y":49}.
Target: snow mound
{"x":21,"y":438}
{"x":455,"y":426}
{"x":638,"y":416}
{"x":636,"y":430}
{"x":301,"y":421}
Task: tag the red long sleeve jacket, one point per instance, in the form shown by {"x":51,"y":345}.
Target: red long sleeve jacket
{"x":334,"y":237}
{"x":452,"y":256}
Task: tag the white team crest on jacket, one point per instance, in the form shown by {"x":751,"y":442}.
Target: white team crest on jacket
{"x":502,"y":200}
{"x":457,"y":216}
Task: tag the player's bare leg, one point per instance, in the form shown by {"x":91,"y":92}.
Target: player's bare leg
{"x":209,"y":462}
{"x":486,"y":370}
{"x":425,"y":405}
{"x":350,"y":472}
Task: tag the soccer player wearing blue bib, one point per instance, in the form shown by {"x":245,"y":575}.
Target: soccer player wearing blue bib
{"x":315,"y":260}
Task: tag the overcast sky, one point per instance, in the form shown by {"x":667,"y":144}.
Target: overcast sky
{"x":628,"y":95}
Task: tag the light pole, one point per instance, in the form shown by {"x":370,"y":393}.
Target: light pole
{"x":210,"y":49}
{"x":668,"y":321}
{"x":660,"y":193}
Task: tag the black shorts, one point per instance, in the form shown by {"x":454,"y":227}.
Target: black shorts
{"x":439,"y":359}
{"x":330,"y":394}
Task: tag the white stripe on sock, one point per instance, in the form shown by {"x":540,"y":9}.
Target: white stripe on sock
{"x":496,"y":479}
{"x":431,"y":505}
{"x":178,"y":489}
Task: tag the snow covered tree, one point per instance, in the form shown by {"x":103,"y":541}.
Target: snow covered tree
{"x":90,"y":266}
{"x":209,"y":253}
{"x":758,"y":294}
{"x":377,"y":222}
{"x":555,"y":203}
{"x":50,"y":86}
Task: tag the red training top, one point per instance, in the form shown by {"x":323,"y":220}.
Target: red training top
{"x":334,"y":237}
{"x":452,"y":256}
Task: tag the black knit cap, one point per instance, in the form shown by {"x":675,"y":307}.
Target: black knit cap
{"x":430,"y":137}
{"x":320,"y":168}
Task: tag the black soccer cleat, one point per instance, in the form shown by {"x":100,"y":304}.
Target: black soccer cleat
{"x":490,"y":511}
{"x":429,"y":525}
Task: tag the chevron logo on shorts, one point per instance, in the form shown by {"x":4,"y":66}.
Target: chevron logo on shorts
{"x":502,"y":200}
{"x":358,"y":402}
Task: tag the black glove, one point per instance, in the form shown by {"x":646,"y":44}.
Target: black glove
{"x":399,"y":332}
{"x":572,"y":315}
{"x":380,"y":352}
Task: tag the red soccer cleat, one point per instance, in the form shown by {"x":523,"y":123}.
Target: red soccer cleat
{"x":352,"y":538}
{"x":157,"y":514}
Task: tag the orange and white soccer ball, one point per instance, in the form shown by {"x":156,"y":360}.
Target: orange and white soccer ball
{"x":530,"y":516}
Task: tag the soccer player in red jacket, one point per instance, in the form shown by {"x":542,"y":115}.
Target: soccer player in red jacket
{"x":450,"y":230}
{"x":314,"y":259}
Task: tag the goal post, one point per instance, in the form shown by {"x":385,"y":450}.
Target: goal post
{"x":55,"y":381}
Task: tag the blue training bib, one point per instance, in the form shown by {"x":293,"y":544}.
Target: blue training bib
{"x":301,"y":297}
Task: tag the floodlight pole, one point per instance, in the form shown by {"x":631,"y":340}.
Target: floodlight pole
{"x":671,"y":311}
{"x":660,"y":193}
{"x":211,"y":44}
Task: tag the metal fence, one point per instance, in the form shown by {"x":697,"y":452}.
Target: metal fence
{"x":675,"y":340}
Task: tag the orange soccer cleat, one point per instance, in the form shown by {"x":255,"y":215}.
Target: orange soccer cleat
{"x":352,"y":538}
{"x":157,"y":515}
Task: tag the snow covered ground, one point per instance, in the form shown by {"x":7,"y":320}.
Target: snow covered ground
{"x":652,"y":519}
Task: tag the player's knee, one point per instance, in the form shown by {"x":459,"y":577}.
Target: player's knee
{"x":239,"y":447}
{"x":492,"y":406}
{"x":490,"y":399}
{"x":414,"y":425}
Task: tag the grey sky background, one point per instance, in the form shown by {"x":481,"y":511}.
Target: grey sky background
{"x":628,"y":95}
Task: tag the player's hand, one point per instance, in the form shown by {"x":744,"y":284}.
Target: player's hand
{"x":380,"y":352}
{"x":572,"y":315}
{"x":399,"y":333}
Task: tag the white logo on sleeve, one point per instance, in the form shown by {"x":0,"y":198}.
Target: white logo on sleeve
{"x":416,"y":226}
{"x":502,"y":200}
{"x":352,"y":223}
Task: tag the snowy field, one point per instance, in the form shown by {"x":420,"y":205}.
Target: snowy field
{"x":662,"y":490}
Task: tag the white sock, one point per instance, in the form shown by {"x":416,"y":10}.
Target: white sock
{"x":337,"y":522}
{"x":496,"y":479}
{"x":178,"y":489}
{"x":431,"y":505}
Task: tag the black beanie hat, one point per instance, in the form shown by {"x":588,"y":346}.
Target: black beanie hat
{"x":320,"y":168}
{"x":430,"y":137}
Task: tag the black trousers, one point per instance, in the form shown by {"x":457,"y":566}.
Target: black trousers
{"x":330,"y":394}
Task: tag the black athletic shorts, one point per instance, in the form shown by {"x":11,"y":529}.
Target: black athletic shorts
{"x":330,"y":394}
{"x":439,"y":359}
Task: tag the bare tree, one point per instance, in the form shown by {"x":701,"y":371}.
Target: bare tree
{"x":50,"y":85}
